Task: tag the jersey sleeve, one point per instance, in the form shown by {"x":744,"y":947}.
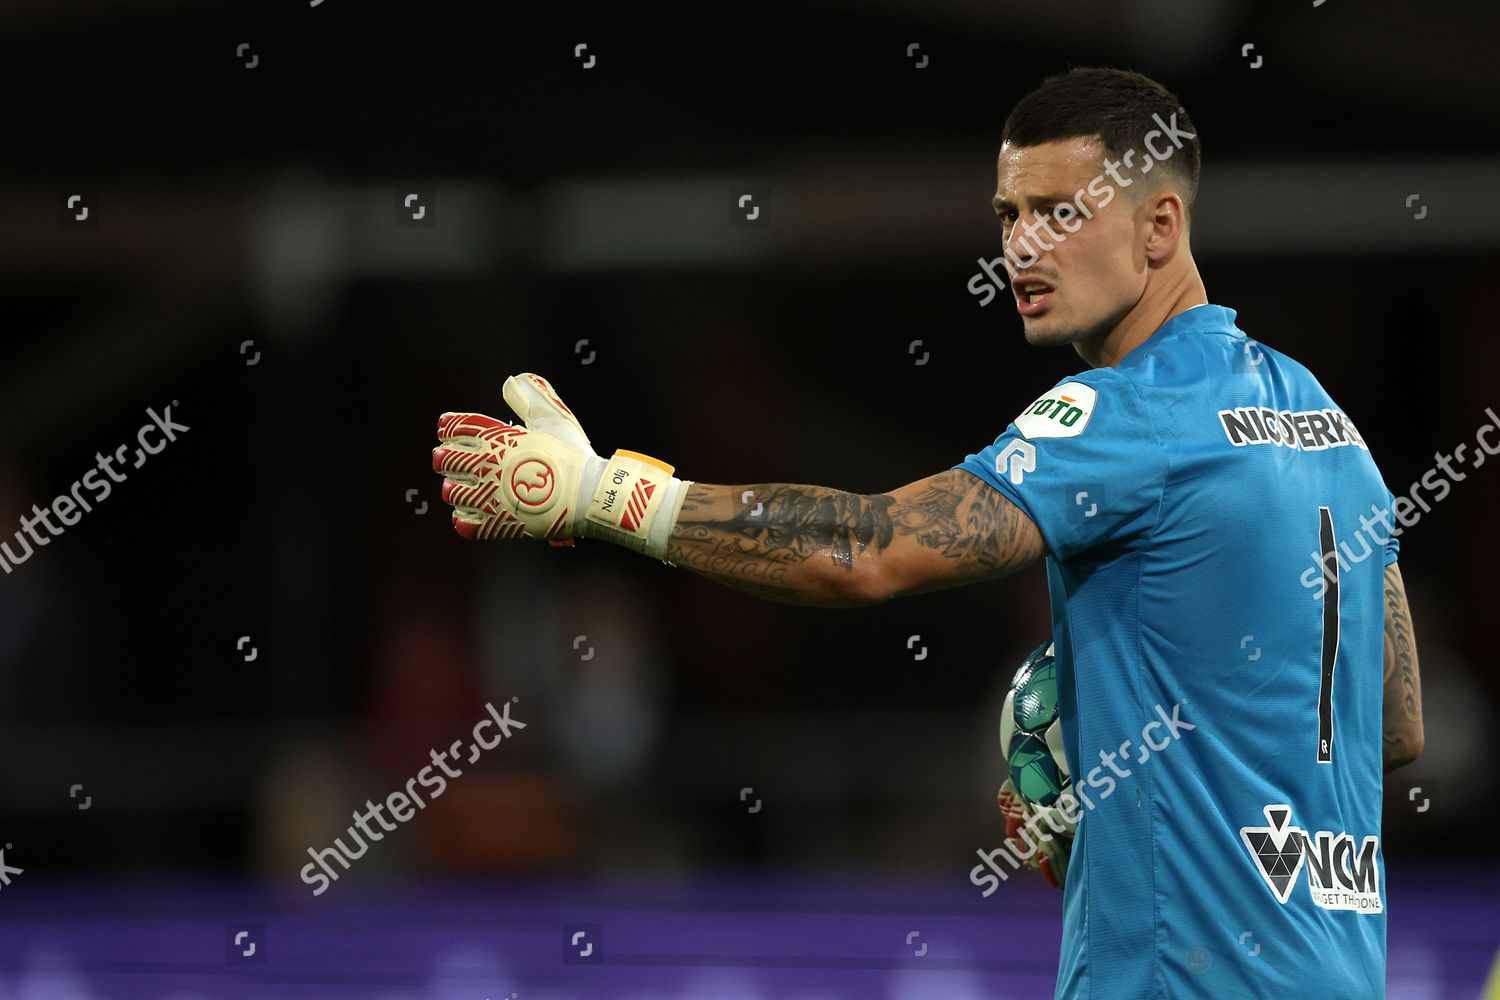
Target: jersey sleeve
{"x":1084,"y":462}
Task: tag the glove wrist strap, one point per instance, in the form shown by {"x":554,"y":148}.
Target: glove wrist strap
{"x":634,"y":502}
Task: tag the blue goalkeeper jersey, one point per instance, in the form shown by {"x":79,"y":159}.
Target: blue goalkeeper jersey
{"x":1217,"y":536}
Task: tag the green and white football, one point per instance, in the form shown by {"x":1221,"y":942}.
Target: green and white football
{"x":1031,"y":732}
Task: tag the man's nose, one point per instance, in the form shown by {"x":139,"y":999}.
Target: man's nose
{"x":1025,"y":245}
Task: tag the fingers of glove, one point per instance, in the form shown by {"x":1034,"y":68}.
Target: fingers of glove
{"x":473,"y":445}
{"x":472,"y":427}
{"x":1009,"y":802}
{"x":478,"y":526}
{"x":478,"y":496}
{"x":465,"y":463}
{"x":540,"y":408}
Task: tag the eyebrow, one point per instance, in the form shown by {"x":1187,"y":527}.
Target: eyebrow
{"x":997,"y":202}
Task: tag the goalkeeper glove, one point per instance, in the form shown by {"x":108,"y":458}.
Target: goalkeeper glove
{"x":535,"y":478}
{"x":1043,"y":850}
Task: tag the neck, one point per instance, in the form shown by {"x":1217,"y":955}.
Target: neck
{"x":1159,"y":303}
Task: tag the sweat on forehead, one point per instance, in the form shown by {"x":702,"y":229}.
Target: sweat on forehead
{"x":1042,"y":171}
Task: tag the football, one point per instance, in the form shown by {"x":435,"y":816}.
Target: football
{"x":1031,"y":734}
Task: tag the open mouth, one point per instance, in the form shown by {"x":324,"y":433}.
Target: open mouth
{"x":1033,"y":296}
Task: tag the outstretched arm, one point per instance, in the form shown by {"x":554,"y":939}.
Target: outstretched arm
{"x":1403,"y":683}
{"x":813,"y":545}
{"x":782,"y":541}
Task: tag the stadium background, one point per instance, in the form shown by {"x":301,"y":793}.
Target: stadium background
{"x":581,"y":227}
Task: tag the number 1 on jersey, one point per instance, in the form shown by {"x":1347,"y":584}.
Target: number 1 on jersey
{"x":1330,"y":634}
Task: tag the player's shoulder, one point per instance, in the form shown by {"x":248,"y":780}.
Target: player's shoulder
{"x":1287,"y":382}
{"x":1102,"y":399}
{"x":1295,"y":372}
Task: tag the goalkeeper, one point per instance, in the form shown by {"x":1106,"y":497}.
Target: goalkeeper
{"x":1193,"y":491}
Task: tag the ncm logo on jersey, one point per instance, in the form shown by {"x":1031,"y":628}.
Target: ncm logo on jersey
{"x":1338,"y":878}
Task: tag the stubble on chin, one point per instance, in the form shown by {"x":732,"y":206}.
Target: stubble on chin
{"x":1046,"y":334}
{"x":1053,"y":333}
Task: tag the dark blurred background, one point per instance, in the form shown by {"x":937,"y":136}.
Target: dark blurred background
{"x":247,"y":259}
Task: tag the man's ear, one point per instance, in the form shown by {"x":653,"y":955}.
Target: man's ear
{"x":1167,"y":218}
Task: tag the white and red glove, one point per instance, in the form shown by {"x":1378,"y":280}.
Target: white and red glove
{"x":532,"y":480}
{"x":1051,"y":855}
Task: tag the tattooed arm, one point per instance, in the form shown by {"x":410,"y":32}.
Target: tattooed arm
{"x":812,"y":545}
{"x":1403,"y":684}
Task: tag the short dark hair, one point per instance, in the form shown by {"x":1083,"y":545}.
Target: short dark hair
{"x":1119,"y":106}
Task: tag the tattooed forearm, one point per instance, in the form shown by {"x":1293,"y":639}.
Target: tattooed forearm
{"x":781,"y":541}
{"x":814,"y":545}
{"x":1403,"y":683}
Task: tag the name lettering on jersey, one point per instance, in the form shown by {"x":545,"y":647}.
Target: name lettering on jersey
{"x":1300,"y":430}
{"x":1340,"y":876}
{"x":1063,"y":412}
